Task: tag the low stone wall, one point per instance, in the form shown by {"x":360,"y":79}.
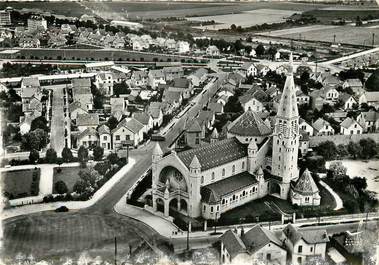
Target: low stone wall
{"x":342,"y":139}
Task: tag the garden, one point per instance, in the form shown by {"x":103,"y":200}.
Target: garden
{"x":20,"y":183}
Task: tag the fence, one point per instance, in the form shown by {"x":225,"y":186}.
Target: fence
{"x":342,"y":139}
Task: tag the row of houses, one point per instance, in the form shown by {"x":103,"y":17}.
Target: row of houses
{"x":289,"y":245}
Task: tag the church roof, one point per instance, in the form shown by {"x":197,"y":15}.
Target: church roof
{"x":249,"y":124}
{"x":305,"y":184}
{"x":215,"y":154}
{"x":212,"y":193}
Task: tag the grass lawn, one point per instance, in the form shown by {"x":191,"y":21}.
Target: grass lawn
{"x":55,"y":236}
{"x":18,"y":182}
{"x":68,"y":175}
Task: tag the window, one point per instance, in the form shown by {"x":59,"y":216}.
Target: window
{"x":117,"y":137}
{"x":311,"y":249}
{"x":233,"y":169}
{"x":202,"y":179}
{"x":223,"y":201}
{"x":197,"y":141}
{"x":243,"y":165}
{"x":105,"y":137}
{"x":268,"y":256}
{"x":300,"y":249}
{"x":211,"y":209}
{"x":223,"y":172}
{"x":299,"y":260}
{"x":204,"y":208}
{"x":213,"y":175}
{"x":306,"y":199}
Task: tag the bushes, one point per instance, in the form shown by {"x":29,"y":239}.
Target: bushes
{"x":34,"y":187}
{"x":61,"y":187}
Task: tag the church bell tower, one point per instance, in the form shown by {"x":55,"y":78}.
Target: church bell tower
{"x":286,"y":137}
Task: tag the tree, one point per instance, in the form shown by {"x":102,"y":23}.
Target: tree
{"x":327,"y":149}
{"x":33,"y":156}
{"x":113,"y":158}
{"x":120,"y":88}
{"x":304,"y":77}
{"x":39,"y":123}
{"x":233,"y":27}
{"x":112,"y":122}
{"x":368,"y":148}
{"x":82,"y":154}
{"x":90,"y":177}
{"x":372,"y":83}
{"x":342,"y":151}
{"x":51,"y":156}
{"x":60,"y":187}
{"x":359,"y":183}
{"x":98,"y":153}
{"x":36,"y":139}
{"x":260,"y":50}
{"x":67,"y":155}
{"x":337,"y":169}
{"x":80,"y":186}
{"x":354,"y":149}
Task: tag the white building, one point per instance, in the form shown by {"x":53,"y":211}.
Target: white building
{"x":305,"y":191}
{"x":350,"y":126}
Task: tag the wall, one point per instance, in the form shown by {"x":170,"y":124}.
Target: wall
{"x":342,"y":139}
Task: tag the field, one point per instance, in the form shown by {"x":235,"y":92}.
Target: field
{"x":48,"y":235}
{"x":343,"y":34}
{"x":246,"y":19}
{"x":326,"y":15}
{"x":18,"y":182}
{"x":68,"y":175}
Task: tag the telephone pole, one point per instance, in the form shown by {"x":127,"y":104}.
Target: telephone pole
{"x":115,"y":250}
{"x":373,"y":39}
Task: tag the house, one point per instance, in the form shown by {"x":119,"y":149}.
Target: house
{"x":303,"y":142}
{"x":139,"y":78}
{"x":81,"y":92}
{"x":29,"y":42}
{"x":350,"y":126}
{"x":305,"y":192}
{"x":223,"y":100}
{"x":322,"y":127}
{"x":156,"y":77}
{"x":355,"y":84}
{"x":118,"y":107}
{"x":330,"y":80}
{"x":105,"y":81}
{"x":254,"y":100}
{"x":75,"y":109}
{"x":88,"y":138}
{"x":212,"y":51}
{"x":105,"y":137}
{"x":348,"y":101}
{"x":216,"y":108}
{"x":206,"y":118}
{"x":249,"y":69}
{"x":328,"y":95}
{"x":301,"y":98}
{"x":306,"y":127}
{"x":338,"y":115}
{"x":128,"y":130}
{"x":31,"y":95}
{"x":145,"y":119}
{"x":197,"y":77}
{"x":173,"y":72}
{"x":173,"y":99}
{"x":87,"y":120}
{"x":155,"y":111}
{"x":257,"y":245}
{"x":304,"y":244}
{"x":170,"y":44}
{"x":182,"y":46}
{"x":262,"y":69}
{"x":370,"y":119}
{"x":372,"y":98}
{"x":182,"y":85}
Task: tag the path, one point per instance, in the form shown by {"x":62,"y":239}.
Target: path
{"x":57,"y":138}
{"x":337,"y":198}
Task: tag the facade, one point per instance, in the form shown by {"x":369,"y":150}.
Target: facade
{"x":350,"y":126}
{"x":213,"y":178}
{"x":305,"y":192}
{"x":5,"y":18}
{"x":37,"y":23}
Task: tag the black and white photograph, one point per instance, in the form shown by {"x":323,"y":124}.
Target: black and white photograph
{"x":189,"y":132}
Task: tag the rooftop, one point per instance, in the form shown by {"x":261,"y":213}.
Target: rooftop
{"x":249,"y":124}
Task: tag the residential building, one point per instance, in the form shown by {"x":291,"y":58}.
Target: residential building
{"x":249,"y":69}
{"x":29,"y":42}
{"x":212,"y":51}
{"x":36,"y":23}
{"x":257,"y":245}
{"x":350,"y":126}
{"x":197,"y":77}
{"x":105,"y":137}
{"x":88,"y":138}
{"x":155,"y":111}
{"x":173,"y":72}
{"x":348,"y":101}
{"x":370,"y":120}
{"x":304,"y":244}
{"x":322,"y":127}
{"x":306,"y":127}
{"x":5,"y":18}
{"x":301,"y":98}
{"x":87,"y":120}
{"x":139,"y":78}
{"x":355,"y":84}
{"x":182,"y":46}
{"x":145,"y":119}
{"x":156,"y":77}
{"x":127,"y":132}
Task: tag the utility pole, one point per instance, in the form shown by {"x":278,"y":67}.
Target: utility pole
{"x":373,"y":39}
{"x":334,"y":38}
{"x":188,"y":236}
{"x":115,"y":250}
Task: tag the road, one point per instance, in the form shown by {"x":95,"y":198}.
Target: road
{"x":57,"y":138}
{"x":100,"y":217}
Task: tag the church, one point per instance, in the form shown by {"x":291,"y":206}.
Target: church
{"x":254,"y":161}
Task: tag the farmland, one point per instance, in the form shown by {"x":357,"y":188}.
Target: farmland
{"x":343,"y":34}
{"x":246,"y":19}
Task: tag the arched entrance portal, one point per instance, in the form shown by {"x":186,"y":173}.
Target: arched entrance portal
{"x":183,"y":206}
{"x":175,"y":178}
{"x":275,"y":189}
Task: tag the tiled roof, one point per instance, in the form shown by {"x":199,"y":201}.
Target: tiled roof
{"x":181,"y":82}
{"x":30,"y":81}
{"x":305,"y":184}
{"x":171,"y":96}
{"x":309,"y":236}
{"x":371,"y":116}
{"x":372,"y":96}
{"x":213,"y":193}
{"x":81,"y":82}
{"x":87,"y":119}
{"x":104,"y":129}
{"x":199,"y":73}
{"x":88,"y":131}
{"x":232,"y":243}
{"x":193,"y":127}
{"x":142,"y":117}
{"x":131,"y":124}
{"x":249,"y":124}
{"x":215,"y":154}
{"x":258,"y":237}
{"x":320,"y":123}
{"x":215,"y":107}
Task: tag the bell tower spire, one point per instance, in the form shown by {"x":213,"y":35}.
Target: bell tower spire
{"x":286,"y":135}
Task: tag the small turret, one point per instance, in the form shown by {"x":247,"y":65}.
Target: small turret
{"x":157,"y":153}
{"x":252,"y":148}
{"x":252,"y":151}
{"x":214,"y":136}
{"x":260,"y":175}
{"x":195,"y":165}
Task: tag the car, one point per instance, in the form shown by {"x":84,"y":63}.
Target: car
{"x":61,"y":209}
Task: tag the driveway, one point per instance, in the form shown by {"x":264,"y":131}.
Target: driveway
{"x":57,"y":138}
